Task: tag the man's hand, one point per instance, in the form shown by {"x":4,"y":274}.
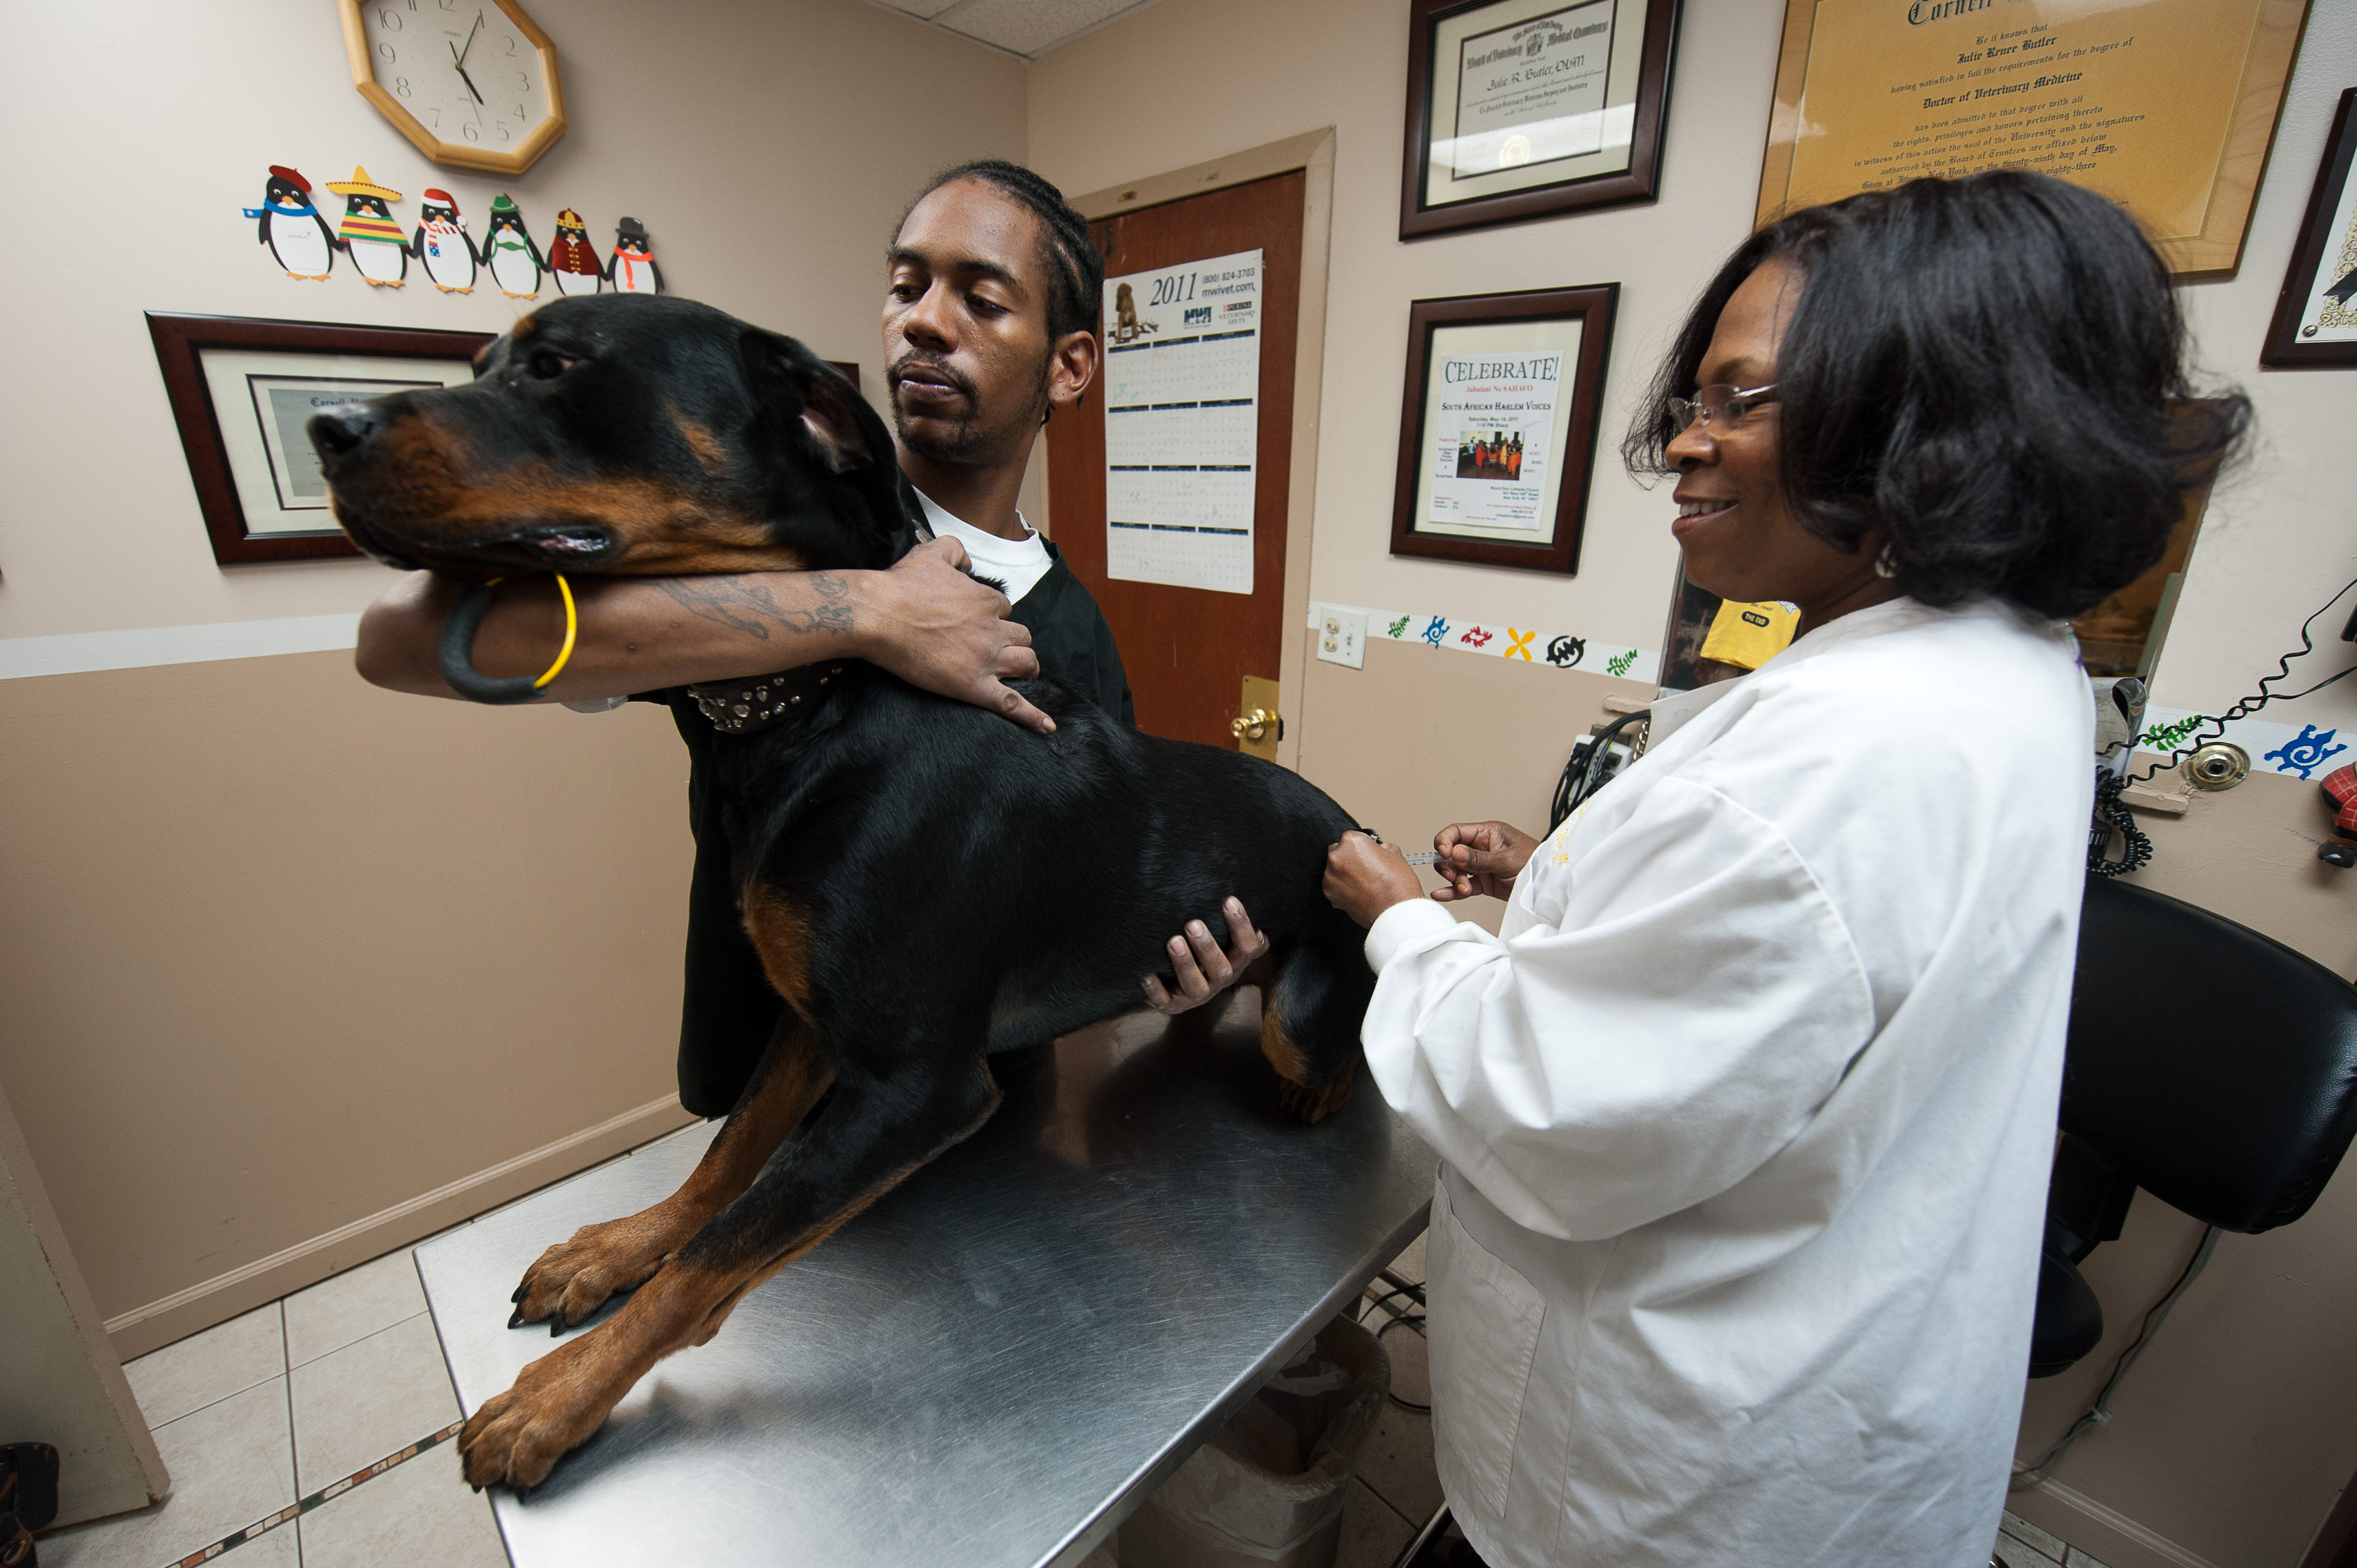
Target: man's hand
{"x":1481,"y":858}
{"x":1364,"y":878}
{"x":934,"y":626}
{"x":1201,"y":969}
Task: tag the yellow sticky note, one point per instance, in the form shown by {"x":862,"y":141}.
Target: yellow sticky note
{"x":1749,"y":635}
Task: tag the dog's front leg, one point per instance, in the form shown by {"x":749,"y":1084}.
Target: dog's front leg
{"x":868,"y":1139}
{"x":572,"y":1279}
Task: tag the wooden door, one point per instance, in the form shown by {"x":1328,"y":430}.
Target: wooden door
{"x":1188,"y":649}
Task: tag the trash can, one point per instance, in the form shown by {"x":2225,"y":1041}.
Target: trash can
{"x":1268,"y":1488}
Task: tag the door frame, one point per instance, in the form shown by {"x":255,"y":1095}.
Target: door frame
{"x":1312,"y":153}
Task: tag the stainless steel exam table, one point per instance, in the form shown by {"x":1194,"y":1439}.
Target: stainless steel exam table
{"x":997,"y":1362}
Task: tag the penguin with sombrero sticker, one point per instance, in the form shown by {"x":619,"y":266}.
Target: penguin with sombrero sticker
{"x":298,"y":236}
{"x":573,"y":258}
{"x":368,"y":232}
{"x":441,"y":243}
{"x":508,"y":251}
{"x":633,"y":269}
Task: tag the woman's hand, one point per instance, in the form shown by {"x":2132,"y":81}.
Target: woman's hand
{"x":1364,"y":878}
{"x":1201,"y":969}
{"x":1481,"y":858}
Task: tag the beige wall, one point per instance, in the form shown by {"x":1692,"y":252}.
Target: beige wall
{"x":2231,"y":1439}
{"x":293,"y":971}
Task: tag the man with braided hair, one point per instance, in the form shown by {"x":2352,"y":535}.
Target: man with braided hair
{"x":990,"y":314}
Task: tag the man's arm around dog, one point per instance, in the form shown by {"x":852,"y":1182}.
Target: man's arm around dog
{"x":924,"y":621}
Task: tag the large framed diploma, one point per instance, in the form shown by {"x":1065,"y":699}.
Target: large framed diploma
{"x":1521,"y":109}
{"x":2166,"y":106}
{"x":1498,"y":426}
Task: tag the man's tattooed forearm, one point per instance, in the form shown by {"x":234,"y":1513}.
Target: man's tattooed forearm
{"x":751,"y":609}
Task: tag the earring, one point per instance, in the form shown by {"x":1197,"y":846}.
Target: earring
{"x":1886,"y":565}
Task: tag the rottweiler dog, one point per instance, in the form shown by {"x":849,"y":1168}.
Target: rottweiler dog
{"x":926,"y":883}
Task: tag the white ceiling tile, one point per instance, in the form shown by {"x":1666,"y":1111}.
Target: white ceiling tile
{"x":1029,"y":27}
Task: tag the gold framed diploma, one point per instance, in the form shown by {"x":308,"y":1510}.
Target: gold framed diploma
{"x":1520,"y":109}
{"x":2166,"y":106}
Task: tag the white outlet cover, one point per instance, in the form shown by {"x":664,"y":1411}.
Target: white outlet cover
{"x":1343,"y":638}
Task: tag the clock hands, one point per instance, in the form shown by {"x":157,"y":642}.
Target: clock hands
{"x":457,"y":63}
{"x":471,"y":40}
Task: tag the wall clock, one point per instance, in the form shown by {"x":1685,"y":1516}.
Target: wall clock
{"x":469,"y":83}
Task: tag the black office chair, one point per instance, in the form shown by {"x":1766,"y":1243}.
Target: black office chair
{"x":2210,"y":1066}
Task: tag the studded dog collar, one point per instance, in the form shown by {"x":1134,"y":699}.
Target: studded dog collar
{"x":748,"y":706}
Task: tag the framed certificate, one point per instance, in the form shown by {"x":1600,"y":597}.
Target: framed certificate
{"x":2166,"y":106}
{"x":241,"y":392}
{"x":1521,"y":109}
{"x":1498,"y":426}
{"x":2315,"y":323}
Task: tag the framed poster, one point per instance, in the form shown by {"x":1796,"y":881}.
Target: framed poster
{"x":1498,"y":426}
{"x":2166,"y":106}
{"x":1522,"y":109}
{"x":2315,"y":323}
{"x":241,"y":392}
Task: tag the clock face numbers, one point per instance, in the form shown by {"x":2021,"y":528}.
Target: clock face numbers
{"x":462,"y":67}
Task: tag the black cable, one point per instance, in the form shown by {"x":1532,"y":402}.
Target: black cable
{"x":1413,"y":1291}
{"x":2256,"y":700}
{"x":1581,"y":780}
{"x":2135,"y":848}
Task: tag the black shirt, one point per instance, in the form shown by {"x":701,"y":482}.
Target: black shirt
{"x":730,"y":1010}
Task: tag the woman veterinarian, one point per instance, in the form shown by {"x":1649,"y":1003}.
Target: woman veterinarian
{"x":1747,"y":1113}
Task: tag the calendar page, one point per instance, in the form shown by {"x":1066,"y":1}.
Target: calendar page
{"x":1182,"y":413}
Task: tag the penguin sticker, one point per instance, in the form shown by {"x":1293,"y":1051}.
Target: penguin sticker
{"x":368,"y":232}
{"x":442,"y":244}
{"x":287,"y":222}
{"x":573,"y":258}
{"x":508,"y":251}
{"x":633,"y":270}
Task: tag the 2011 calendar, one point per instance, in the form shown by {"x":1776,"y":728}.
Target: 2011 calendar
{"x":1182,"y":411}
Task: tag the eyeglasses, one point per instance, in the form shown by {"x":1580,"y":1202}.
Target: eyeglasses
{"x":1719,"y":408}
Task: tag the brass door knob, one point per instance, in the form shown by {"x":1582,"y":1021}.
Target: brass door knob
{"x":1254,"y":725}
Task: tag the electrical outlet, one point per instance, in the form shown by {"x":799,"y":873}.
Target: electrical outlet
{"x":1343,"y":638}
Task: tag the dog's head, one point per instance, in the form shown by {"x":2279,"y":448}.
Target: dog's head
{"x":622,"y":433}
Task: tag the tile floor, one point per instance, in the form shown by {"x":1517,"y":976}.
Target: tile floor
{"x":267,"y":1408}
{"x":274,"y":1405}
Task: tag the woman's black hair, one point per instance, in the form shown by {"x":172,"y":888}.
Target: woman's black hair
{"x":1992,"y":368}
{"x":1075,"y":266}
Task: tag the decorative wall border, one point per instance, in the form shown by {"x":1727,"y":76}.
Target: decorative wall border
{"x":1540,"y":647}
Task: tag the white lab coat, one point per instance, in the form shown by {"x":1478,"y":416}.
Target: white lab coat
{"x":1747,"y":1113}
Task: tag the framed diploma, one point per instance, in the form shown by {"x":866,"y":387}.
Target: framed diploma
{"x":2315,"y":323}
{"x":1498,"y":426}
{"x":1521,"y":109}
{"x":2166,"y":106}
{"x":241,"y":392}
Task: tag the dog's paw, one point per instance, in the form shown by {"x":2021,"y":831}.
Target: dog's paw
{"x":1313,"y":1105}
{"x":517,"y":1437}
{"x":574,"y":1278}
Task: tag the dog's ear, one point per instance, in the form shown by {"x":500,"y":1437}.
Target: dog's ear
{"x":806,"y":403}
{"x":789,"y":383}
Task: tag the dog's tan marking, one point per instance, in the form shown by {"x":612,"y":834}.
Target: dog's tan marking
{"x":1311,"y":1102}
{"x":524,"y":327}
{"x":781,"y":934}
{"x":572,"y":1279}
{"x":558,"y":1401}
{"x":707,"y":447}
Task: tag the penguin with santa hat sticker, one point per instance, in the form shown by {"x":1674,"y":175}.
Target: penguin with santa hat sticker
{"x":298,"y":236}
{"x":573,"y":258}
{"x":633,"y":269}
{"x":368,"y":234}
{"x":509,"y":254}
{"x":441,"y":242}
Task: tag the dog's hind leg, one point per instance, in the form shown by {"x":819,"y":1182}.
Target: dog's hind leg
{"x":1309,"y":1016}
{"x":573,"y":1278}
{"x":869,"y":1137}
